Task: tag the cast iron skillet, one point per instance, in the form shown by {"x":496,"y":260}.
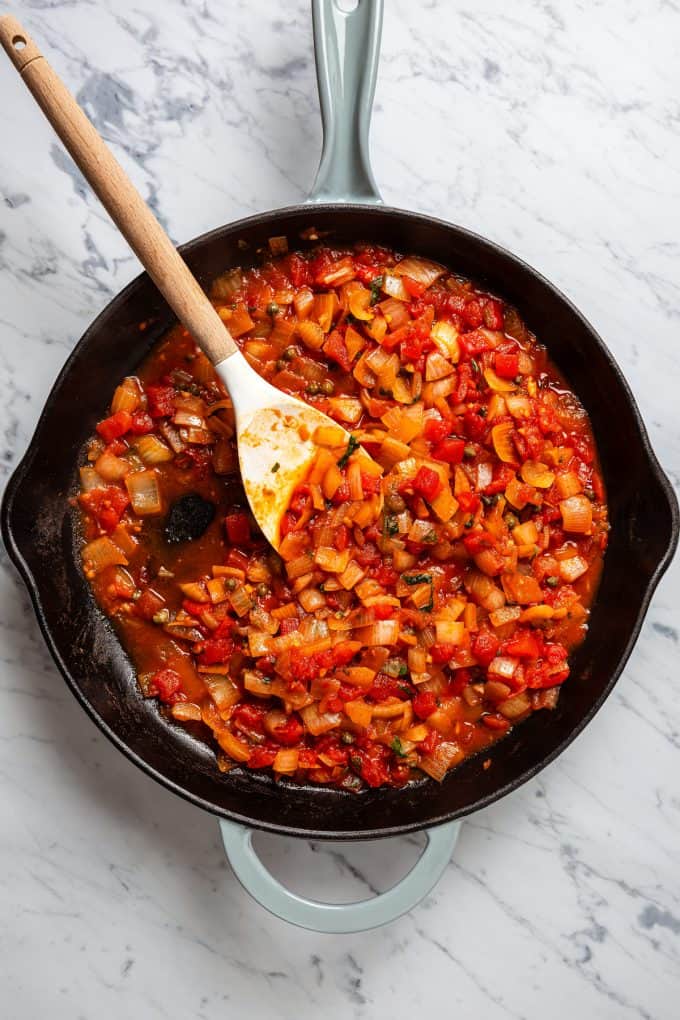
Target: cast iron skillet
{"x":39,"y":527}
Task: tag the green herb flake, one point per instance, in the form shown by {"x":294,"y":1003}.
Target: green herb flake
{"x":474,"y":364}
{"x":552,"y":582}
{"x":397,"y":747}
{"x":469,"y":450}
{"x":275,"y":467}
{"x":351,"y":447}
{"x":430,"y":537}
{"x":390,"y":525}
{"x":355,"y":762}
{"x":376,"y":284}
{"x":417,"y":578}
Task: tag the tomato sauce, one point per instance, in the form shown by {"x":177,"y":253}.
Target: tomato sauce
{"x":432,"y":575}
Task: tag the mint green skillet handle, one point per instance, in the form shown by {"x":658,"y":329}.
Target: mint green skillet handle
{"x":347,"y":47}
{"x":338,"y":918}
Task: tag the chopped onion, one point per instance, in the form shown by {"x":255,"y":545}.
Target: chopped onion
{"x":153,"y":450}
{"x":503,"y":666}
{"x":437,"y":367}
{"x":394,"y":287}
{"x":537,"y":474}
{"x":573,"y":568}
{"x":497,"y":384}
{"x":516,"y":706}
{"x":577,"y":515}
{"x":144,"y":492}
{"x":318,"y":723}
{"x":420,"y":270}
{"x":521,"y":588}
{"x":101,"y":553}
{"x":110,"y":467}
{"x":184,"y":711}
{"x":224,"y":692}
{"x":127,"y":396}
{"x":445,"y":336}
{"x":383,"y":632}
{"x":286,"y":760}
{"x":501,"y":437}
{"x":89,"y":479}
{"x":231,"y":745}
{"x":444,"y":756}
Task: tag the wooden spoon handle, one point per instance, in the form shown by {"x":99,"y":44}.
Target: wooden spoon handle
{"x":124,"y":204}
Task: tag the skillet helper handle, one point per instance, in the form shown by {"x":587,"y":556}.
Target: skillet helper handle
{"x":122,"y":201}
{"x":347,"y":48}
{"x":338,"y":918}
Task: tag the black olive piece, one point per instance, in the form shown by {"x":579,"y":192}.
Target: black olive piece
{"x":188,"y":519}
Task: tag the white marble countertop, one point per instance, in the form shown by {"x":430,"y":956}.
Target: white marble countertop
{"x":550,"y":128}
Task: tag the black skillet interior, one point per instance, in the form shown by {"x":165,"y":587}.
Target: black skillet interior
{"x":38,"y":528}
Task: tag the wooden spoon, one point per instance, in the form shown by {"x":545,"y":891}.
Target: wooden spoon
{"x":275,"y":432}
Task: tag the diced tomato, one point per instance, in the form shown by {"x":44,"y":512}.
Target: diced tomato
{"x":262,"y":757}
{"x":166,"y":684}
{"x":335,"y":348}
{"x":237,"y":559}
{"x":341,"y":494}
{"x":496,"y":722}
{"x":141,"y":423}
{"x":469,"y":501}
{"x":424,"y":704}
{"x":493,"y":314}
{"x":194,"y":608}
{"x":436,"y":429}
{"x":385,"y":575}
{"x":414,"y":287}
{"x":115,"y":426}
{"x":383,"y":611}
{"x":106,"y":505}
{"x":485,"y":646}
{"x":427,"y":483}
{"x":288,"y":733}
{"x":428,"y":745}
{"x":478,"y":540}
{"x":370,"y":764}
{"x":507,"y":365}
{"x":370,"y":484}
{"x":502,"y":476}
{"x":249,"y":716}
{"x":298,"y":270}
{"x":368,"y":555}
{"x":449,"y":450}
{"x":385,"y":686}
{"x":216,"y":650}
{"x":522,"y":645}
{"x":160,"y":401}
{"x":459,"y":681}
{"x":473,"y":316}
{"x":341,"y":538}
{"x":238,"y":527}
{"x":442,"y":652}
{"x":475,"y":425}
{"x":343,"y":653}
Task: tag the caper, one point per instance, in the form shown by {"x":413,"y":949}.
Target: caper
{"x":395,"y":502}
{"x":230,"y":583}
{"x":327,"y":387}
{"x":511,"y":520}
{"x":289,"y":353}
{"x":262,"y":590}
{"x":272,"y":308}
{"x":313,"y":388}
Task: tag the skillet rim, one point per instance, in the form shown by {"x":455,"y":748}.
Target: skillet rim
{"x":22,"y":470}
